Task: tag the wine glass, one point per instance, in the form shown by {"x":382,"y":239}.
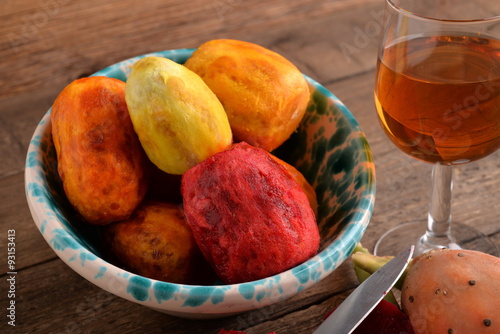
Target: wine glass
{"x":437,"y":95}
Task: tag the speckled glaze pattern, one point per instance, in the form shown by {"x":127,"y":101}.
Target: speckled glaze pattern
{"x":329,"y":148}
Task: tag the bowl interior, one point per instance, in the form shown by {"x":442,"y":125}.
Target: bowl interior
{"x":330,"y":150}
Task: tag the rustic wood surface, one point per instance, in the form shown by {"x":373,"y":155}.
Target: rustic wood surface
{"x":45,"y":44}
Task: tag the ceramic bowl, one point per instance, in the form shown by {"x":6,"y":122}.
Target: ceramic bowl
{"x":329,"y":148}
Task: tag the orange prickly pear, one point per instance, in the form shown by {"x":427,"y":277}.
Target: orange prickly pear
{"x":101,"y":163}
{"x":264,"y":94}
{"x":453,"y":291}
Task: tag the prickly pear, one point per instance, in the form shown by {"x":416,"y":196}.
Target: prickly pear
{"x":453,"y":291}
{"x":179,"y":120}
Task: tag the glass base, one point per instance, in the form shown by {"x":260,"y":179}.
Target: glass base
{"x":402,"y":236}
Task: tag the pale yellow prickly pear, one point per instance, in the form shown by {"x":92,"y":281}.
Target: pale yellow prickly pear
{"x":179,"y":120}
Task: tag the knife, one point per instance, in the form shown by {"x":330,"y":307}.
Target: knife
{"x":365,"y":297}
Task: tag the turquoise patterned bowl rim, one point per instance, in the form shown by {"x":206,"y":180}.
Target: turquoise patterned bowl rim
{"x":329,"y":148}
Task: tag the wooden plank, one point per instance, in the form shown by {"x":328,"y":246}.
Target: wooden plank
{"x":344,"y":44}
{"x":334,"y":42}
{"x":19,"y":117}
{"x":64,"y":302}
{"x":67,"y":39}
{"x":31,"y":248}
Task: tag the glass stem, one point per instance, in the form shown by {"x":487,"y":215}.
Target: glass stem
{"x":438,"y":234}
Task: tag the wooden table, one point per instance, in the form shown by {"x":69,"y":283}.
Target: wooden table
{"x":45,"y":44}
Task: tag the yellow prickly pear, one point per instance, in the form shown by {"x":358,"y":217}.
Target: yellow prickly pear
{"x":178,"y":119}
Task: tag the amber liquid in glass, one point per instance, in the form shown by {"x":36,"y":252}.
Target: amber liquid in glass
{"x":438,"y":97}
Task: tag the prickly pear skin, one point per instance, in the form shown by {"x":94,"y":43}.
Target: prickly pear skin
{"x":249,"y":216}
{"x":101,"y":163}
{"x":156,"y":242}
{"x":179,"y":120}
{"x":265,"y":95}
{"x":303,"y":183}
{"x":453,"y":291}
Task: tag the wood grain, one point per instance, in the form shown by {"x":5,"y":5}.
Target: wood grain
{"x":45,"y":44}
{"x":65,"y":39}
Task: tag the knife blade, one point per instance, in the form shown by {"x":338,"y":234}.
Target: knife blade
{"x":355,"y":308}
